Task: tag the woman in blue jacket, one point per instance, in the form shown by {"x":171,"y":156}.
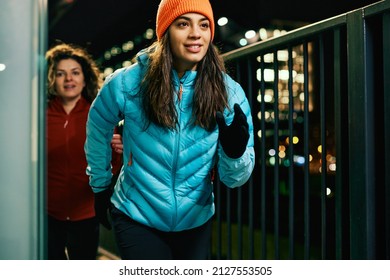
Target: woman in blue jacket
{"x":183,"y":118}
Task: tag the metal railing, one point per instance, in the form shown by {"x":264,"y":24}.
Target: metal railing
{"x":320,"y":100}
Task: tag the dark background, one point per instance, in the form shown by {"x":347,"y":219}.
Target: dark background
{"x":102,"y":24}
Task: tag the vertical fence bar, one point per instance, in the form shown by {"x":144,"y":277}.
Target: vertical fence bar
{"x":239,"y":190}
{"x":251,"y":70}
{"x":361,"y":146}
{"x":323,"y":147}
{"x":306,"y":152}
{"x":263,"y":186}
{"x":276,"y":148}
{"x":339,"y":148}
{"x":251,"y":239}
{"x":252,"y":98}
{"x":386,"y":91}
{"x":291,"y":189}
{"x":239,"y":223}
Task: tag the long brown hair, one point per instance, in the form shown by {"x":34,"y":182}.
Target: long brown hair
{"x":93,"y":80}
{"x":157,"y":88}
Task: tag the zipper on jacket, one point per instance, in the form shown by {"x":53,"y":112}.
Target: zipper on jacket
{"x":176,"y":155}
{"x":180,"y":91}
{"x":67,"y":147}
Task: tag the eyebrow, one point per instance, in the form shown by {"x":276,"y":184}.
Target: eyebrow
{"x":72,"y":69}
{"x":188,"y":18}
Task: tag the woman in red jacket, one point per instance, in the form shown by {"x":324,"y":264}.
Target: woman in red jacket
{"x":73,"y":82}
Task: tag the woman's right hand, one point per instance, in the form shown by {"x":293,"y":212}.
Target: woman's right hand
{"x":116,"y":143}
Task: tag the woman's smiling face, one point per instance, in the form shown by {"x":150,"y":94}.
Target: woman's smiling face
{"x":69,"y":81}
{"x":189,"y":38}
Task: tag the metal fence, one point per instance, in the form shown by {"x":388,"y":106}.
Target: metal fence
{"x":320,"y":98}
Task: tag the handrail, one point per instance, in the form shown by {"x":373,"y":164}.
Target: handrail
{"x":301,"y":34}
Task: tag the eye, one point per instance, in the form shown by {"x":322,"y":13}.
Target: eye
{"x":59,"y":74}
{"x":205,"y":25}
{"x":182,"y":23}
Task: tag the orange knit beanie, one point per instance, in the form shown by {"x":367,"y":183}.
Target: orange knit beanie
{"x":169,"y":10}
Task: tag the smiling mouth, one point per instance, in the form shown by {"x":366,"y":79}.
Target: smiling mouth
{"x":193,"y":47}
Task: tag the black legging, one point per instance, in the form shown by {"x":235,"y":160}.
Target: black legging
{"x":81,"y":239}
{"x":139,"y":242}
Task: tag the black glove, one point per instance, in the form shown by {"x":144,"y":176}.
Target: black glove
{"x":102,"y":206}
{"x":233,"y":138}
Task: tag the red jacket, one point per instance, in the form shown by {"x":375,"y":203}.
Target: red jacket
{"x":68,"y":192}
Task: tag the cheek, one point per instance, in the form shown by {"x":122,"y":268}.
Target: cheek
{"x":207,"y":39}
{"x":57,"y":83}
{"x":174,"y":47}
{"x":82,"y":78}
{"x":81,"y":81}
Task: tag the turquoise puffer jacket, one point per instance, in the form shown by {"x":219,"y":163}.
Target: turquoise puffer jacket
{"x":165,"y":182}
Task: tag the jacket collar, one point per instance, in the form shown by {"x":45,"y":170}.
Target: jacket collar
{"x":81,"y":104}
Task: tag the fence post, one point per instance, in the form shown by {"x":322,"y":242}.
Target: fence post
{"x":361,"y":137}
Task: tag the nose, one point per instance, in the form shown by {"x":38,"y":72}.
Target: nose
{"x":195,"y":32}
{"x":68,"y":76}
